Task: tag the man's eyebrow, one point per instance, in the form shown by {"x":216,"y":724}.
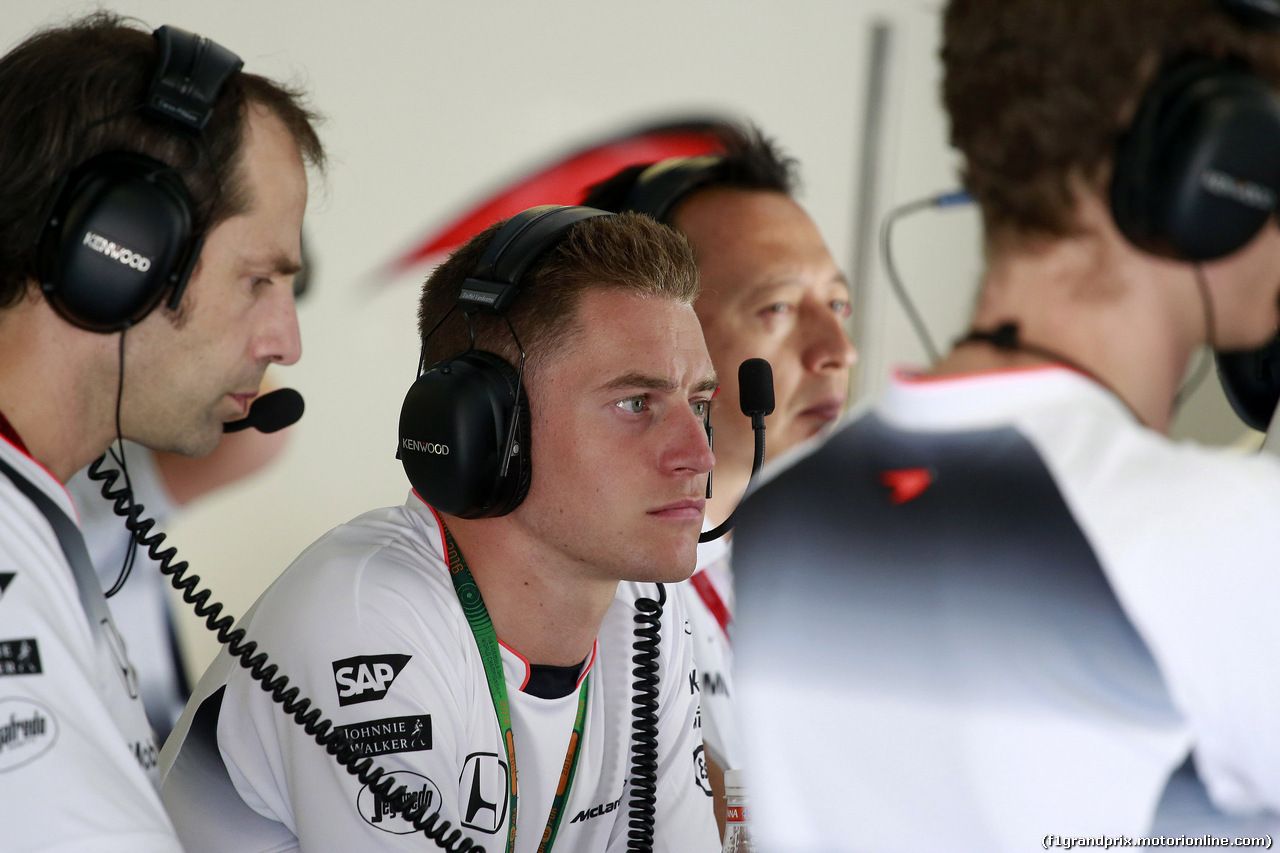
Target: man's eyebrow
{"x":286,"y":265}
{"x":769,"y":286}
{"x":279,"y":264}
{"x":635,"y":379}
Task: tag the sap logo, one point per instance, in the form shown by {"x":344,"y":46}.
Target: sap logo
{"x":27,"y":731}
{"x":392,"y":814}
{"x":424,"y":447}
{"x":603,"y":808}
{"x":116,"y":252}
{"x":483,"y":789}
{"x":367,"y":678}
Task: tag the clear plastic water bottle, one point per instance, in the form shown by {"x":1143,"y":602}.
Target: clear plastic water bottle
{"x":737,"y":825}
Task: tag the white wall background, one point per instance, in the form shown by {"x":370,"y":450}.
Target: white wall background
{"x":430,"y":104}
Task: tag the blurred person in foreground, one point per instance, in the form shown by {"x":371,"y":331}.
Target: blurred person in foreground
{"x":1002,"y":610}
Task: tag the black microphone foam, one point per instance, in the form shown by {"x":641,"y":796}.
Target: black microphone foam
{"x":755,"y":394}
{"x":755,"y":387}
{"x":270,"y":412}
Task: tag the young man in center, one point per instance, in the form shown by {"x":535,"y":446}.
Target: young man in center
{"x":535,"y":672}
{"x":769,"y":289}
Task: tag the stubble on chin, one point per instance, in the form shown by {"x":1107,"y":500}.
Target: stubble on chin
{"x":192,"y":439}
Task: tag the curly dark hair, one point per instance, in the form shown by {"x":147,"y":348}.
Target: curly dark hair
{"x":1040,"y":92}
{"x":71,"y":92}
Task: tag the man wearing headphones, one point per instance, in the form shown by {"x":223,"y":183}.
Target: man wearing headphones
{"x":770,"y":289}
{"x":151,"y":202}
{"x":1037,"y":618}
{"x":504,"y":616}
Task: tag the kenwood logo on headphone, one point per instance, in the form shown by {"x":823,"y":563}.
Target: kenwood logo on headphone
{"x":128,"y":257}
{"x":1248,"y":193}
{"x":425,"y":446}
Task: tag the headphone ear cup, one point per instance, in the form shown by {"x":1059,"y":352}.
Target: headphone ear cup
{"x":1198,"y":173}
{"x":453,"y":435}
{"x":118,"y":235}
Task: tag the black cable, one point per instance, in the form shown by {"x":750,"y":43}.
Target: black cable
{"x":131,"y":551}
{"x":895,"y":281}
{"x":757,"y":463}
{"x":644,"y":724}
{"x":260,"y":670}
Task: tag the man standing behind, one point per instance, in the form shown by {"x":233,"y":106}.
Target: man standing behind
{"x":771,"y":290}
{"x":1009,"y":611}
{"x":489,"y":623}
{"x":120,"y":153}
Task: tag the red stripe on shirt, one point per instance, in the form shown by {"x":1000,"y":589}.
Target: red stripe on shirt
{"x":711,"y":598}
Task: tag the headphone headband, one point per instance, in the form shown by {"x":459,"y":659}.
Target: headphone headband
{"x":119,"y":231}
{"x":518,"y":243}
{"x":464,"y":425}
{"x":662,"y":186}
{"x":191,"y":72}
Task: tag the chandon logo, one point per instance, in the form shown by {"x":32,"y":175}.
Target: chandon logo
{"x":115,"y":251}
{"x":425,"y":446}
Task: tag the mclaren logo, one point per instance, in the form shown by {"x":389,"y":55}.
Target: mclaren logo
{"x":425,"y":447}
{"x":603,"y":808}
{"x":116,"y":252}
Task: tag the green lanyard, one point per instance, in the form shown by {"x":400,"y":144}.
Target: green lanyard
{"x":487,"y":643}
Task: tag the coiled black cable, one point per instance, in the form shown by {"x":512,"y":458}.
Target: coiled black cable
{"x":644,"y":724}
{"x":300,"y":709}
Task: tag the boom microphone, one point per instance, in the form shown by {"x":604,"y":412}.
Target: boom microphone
{"x":270,"y":412}
{"x":755,"y":396}
{"x":755,"y":390}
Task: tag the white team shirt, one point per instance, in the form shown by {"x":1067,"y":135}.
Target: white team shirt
{"x":140,"y":608}
{"x":77,"y":757}
{"x":1047,"y":728}
{"x":708,"y":599}
{"x":367,"y":624}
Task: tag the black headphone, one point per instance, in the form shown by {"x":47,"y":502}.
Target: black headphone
{"x":659,"y":188}
{"x":464,"y":425}
{"x":1197,"y":174}
{"x":119,"y":232}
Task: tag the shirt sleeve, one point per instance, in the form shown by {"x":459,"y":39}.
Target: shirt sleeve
{"x":372,"y":659}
